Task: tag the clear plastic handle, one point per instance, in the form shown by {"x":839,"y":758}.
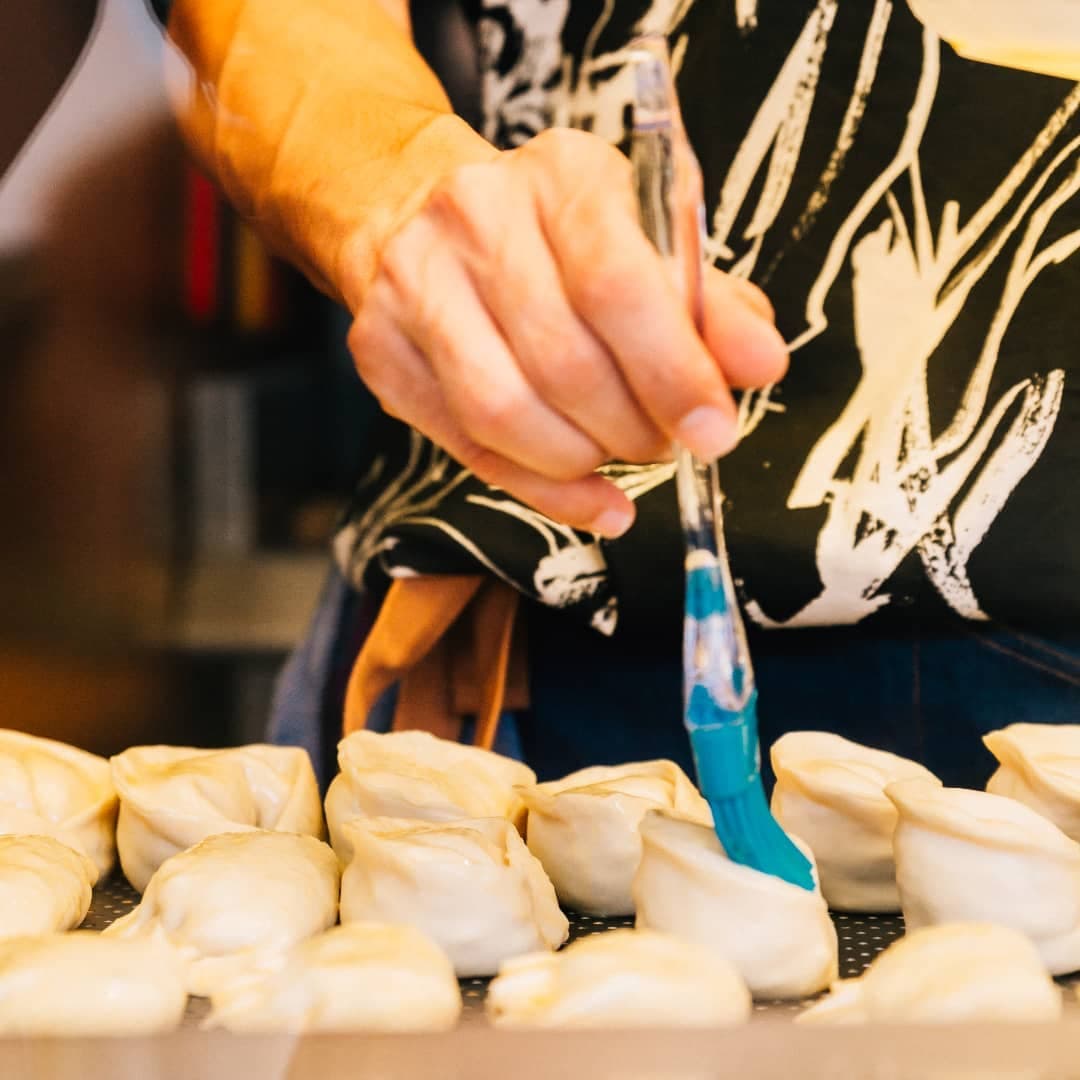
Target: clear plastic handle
{"x":668,"y":186}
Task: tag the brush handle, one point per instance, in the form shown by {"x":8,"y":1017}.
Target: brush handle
{"x":720,"y":702}
{"x":668,"y":187}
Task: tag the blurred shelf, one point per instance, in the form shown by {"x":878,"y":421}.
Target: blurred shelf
{"x":261,"y":603}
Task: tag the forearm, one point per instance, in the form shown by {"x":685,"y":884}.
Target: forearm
{"x":321,"y":122}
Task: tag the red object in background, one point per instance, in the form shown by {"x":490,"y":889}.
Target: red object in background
{"x":202,"y":247}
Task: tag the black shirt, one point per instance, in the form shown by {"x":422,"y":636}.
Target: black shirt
{"x":913,"y":217}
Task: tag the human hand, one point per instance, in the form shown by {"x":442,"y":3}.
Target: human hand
{"x":521,"y":320}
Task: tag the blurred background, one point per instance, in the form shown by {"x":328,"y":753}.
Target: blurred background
{"x":179,"y":421}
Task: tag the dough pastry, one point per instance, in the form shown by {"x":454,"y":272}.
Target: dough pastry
{"x":411,"y":774}
{"x":830,"y":792}
{"x":360,"y":977}
{"x":48,"y":788}
{"x":44,"y":885}
{"x":1040,"y":766}
{"x":171,"y":797}
{"x":966,"y":856}
{"x":472,"y":886}
{"x":624,"y":978}
{"x":584,"y":828}
{"x":955,"y":973}
{"x":225,"y":903}
{"x":85,"y":984}
{"x":779,"y":936}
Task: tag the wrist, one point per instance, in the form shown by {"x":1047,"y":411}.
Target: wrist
{"x":432,"y":153}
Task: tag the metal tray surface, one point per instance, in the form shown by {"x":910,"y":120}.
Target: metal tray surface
{"x":861,"y":938}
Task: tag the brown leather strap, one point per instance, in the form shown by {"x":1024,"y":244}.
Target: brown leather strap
{"x":415,"y":615}
{"x":425,"y":700}
{"x":493,"y":612}
{"x":450,"y":644}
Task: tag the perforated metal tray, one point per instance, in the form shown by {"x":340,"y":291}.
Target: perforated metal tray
{"x":861,"y":938}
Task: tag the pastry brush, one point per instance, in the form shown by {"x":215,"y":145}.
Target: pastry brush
{"x":720,"y":698}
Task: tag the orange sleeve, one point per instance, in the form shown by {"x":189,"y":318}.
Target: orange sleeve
{"x":321,"y":122}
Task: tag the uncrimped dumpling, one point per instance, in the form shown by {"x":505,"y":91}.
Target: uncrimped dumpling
{"x":48,"y":788}
{"x":954,"y":973}
{"x":360,"y":977}
{"x":1040,"y":767}
{"x":412,"y":774}
{"x":584,"y":828}
{"x":472,"y":886}
{"x":230,"y":900}
{"x":171,"y":797}
{"x":82,"y":983}
{"x":44,"y":885}
{"x":830,"y":792}
{"x":779,"y":936}
{"x":623,"y":978}
{"x":967,"y":856}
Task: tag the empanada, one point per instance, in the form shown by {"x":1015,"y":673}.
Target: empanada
{"x":778,"y":936}
{"x":171,"y":797}
{"x":232,"y":899}
{"x":584,"y":828}
{"x":45,"y":885}
{"x":953,"y":973}
{"x":82,"y":983}
{"x":472,"y":886}
{"x":48,"y":788}
{"x":1039,"y":765}
{"x":830,"y":792}
{"x":967,"y":856}
{"x":360,"y":977}
{"x":411,"y":774}
{"x":623,"y":978}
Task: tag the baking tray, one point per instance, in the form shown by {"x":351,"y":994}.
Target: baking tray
{"x":860,"y":937}
{"x":476,"y":1051}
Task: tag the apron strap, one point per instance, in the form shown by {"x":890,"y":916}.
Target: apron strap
{"x":449,"y":642}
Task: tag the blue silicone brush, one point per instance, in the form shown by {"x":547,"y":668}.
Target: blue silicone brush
{"x":720,"y":699}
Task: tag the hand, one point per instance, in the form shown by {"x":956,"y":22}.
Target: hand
{"x":521,"y":320}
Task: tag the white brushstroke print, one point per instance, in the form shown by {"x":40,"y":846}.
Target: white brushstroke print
{"x":603,"y":84}
{"x":426,"y":478}
{"x":909,"y":287}
{"x":776,"y":135}
{"x":746,"y":14}
{"x":893,"y":486}
{"x":573,"y":571}
{"x":516,"y":98}
{"x":575,"y":568}
{"x":774,"y":141}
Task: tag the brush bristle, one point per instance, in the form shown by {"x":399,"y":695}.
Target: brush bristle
{"x":752,"y":837}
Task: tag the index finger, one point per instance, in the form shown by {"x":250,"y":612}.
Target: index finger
{"x":622,"y":288}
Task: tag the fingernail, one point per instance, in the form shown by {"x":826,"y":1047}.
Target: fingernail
{"x":708,"y":432}
{"x":611,"y":524}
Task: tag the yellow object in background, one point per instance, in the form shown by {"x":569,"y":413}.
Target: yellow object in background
{"x":254,"y":282}
{"x":1040,"y":35}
